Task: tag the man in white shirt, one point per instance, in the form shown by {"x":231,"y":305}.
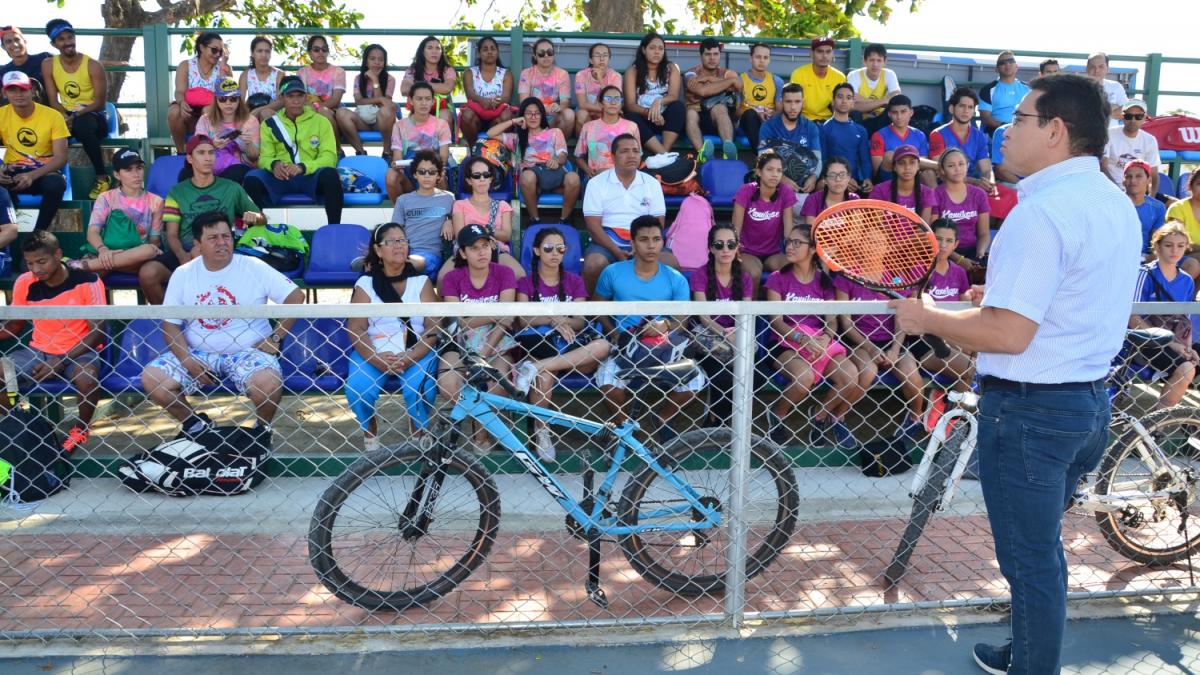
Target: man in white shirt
{"x":1053,"y":315}
{"x":1128,"y":143}
{"x":202,"y":352}
{"x":873,"y":86}
{"x":1097,"y":69}
{"x":612,"y":200}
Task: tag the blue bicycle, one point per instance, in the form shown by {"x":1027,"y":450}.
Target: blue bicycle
{"x":404,"y":526}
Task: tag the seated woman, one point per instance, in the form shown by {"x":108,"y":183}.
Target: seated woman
{"x":1162,"y":280}
{"x":125,"y":228}
{"x":594,"y":147}
{"x":543,"y":157}
{"x":1187,"y":211}
{"x":965,"y":205}
{"x":835,"y":175}
{"x":235,"y":134}
{"x":654,"y":95}
{"x":762,"y":213}
{"x":549,"y":84}
{"x":419,"y":131}
{"x":425,"y":213}
{"x":374,"y":107}
{"x":475,"y":278}
{"x":390,"y":348}
{"x":260,"y":82}
{"x":479,"y":208}
{"x":553,"y":344}
{"x":590,"y":83}
{"x":326,"y":83}
{"x":429,"y":65}
{"x":904,"y":188}
{"x":488,"y":87}
{"x":948,"y":283}
{"x":716,"y":281}
{"x":195,"y":81}
{"x":807,"y":348}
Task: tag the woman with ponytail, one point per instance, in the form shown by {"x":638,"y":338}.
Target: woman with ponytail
{"x":762,"y":213}
{"x":904,"y":188}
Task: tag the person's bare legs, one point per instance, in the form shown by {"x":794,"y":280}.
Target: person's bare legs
{"x":264,"y":387}
{"x":165,"y":392}
{"x":152,"y":279}
{"x":570,"y":192}
{"x":349,"y":124}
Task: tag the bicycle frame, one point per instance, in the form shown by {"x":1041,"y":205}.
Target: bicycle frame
{"x":937,"y":438}
{"x":482,"y":406}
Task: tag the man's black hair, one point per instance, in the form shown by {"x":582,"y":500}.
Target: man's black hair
{"x":207,"y":220}
{"x":1082,"y":106}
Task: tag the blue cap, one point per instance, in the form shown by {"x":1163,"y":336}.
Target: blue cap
{"x":56,"y":27}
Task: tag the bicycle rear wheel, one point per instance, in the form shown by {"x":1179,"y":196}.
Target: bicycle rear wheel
{"x":1150,"y":532}
{"x":694,"y":562}
{"x":366,"y":541}
{"x":926,"y":501}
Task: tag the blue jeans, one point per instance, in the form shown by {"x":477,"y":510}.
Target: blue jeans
{"x":1034,"y":446}
{"x":418,"y":384}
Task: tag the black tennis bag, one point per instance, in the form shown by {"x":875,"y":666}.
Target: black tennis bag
{"x":220,"y":461}
{"x":29,"y":444}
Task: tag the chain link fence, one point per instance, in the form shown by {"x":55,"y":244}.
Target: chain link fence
{"x":768,"y":475}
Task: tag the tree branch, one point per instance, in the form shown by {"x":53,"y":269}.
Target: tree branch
{"x":174,"y":12}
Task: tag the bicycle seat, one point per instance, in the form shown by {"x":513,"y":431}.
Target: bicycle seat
{"x":1141,"y":338}
{"x":679,"y":371}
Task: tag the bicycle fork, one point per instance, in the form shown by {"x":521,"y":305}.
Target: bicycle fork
{"x":418,"y":512}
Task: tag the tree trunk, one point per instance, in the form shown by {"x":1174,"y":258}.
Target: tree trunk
{"x":615,"y":16}
{"x":115,"y":49}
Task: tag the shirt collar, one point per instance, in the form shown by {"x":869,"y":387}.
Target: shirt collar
{"x":1031,"y":184}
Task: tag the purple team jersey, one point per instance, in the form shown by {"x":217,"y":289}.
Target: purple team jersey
{"x":572,"y":285}
{"x":698,"y":283}
{"x":457,"y":283}
{"x":964,"y":214}
{"x":884,"y":191}
{"x":814,"y":204}
{"x":949,"y":286}
{"x":876,"y":327}
{"x":791,"y":289}
{"x":762,"y":228}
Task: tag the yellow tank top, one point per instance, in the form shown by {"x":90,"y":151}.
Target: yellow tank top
{"x":761,"y":94}
{"x":867,"y":91}
{"x":74,"y":89}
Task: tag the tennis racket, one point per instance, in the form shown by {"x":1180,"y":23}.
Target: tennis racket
{"x":880,"y":245}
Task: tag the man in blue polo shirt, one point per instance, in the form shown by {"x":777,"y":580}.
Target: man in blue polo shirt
{"x":960,"y":133}
{"x":999,"y":98}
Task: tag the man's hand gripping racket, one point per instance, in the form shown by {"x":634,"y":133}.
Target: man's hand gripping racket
{"x":882,"y":246}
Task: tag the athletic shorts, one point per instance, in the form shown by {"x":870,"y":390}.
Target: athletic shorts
{"x":26,"y":358}
{"x":237,"y":367}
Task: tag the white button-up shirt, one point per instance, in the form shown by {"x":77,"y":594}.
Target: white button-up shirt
{"x":1067,"y":259}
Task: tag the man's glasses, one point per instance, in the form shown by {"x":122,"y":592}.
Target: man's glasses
{"x":393,"y":243}
{"x":545,"y":52}
{"x":319,"y":50}
{"x":1018,"y":116}
{"x":1135,"y":116}
{"x":721,"y":245}
{"x":426,"y":172}
{"x":479,"y":175}
{"x":554,"y":248}
{"x":612,"y":99}
{"x":796,"y":243}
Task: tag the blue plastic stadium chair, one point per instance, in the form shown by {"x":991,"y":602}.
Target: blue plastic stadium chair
{"x":1190,"y":155}
{"x":140,"y":342}
{"x":721,"y":178}
{"x":34,"y":201}
{"x":553,"y":198}
{"x":313,"y":356}
{"x":110,"y":114}
{"x":1167,"y":155}
{"x":1164,"y":183}
{"x":296,"y":199}
{"x":120,"y":281}
{"x":164,"y":174}
{"x":741,"y":139}
{"x":1181,"y":188}
{"x":333,"y":247}
{"x":376,"y":169}
{"x":572,"y":260}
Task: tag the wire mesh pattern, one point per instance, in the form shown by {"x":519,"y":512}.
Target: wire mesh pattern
{"x":506,"y":489}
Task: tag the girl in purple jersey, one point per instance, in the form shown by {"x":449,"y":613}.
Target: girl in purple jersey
{"x":721,"y":278}
{"x":947,"y":284}
{"x":807,"y":347}
{"x":904,"y":188}
{"x":836,"y":176}
{"x":762,"y":213}
{"x":553,"y":344}
{"x":965,"y":205}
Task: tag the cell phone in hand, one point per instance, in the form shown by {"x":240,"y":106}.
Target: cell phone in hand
{"x":231,"y":134}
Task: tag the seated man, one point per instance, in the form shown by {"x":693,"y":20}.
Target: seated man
{"x":842,"y":137}
{"x":885,"y":141}
{"x":76,"y":87}
{"x":1002,"y":173}
{"x":186,"y":201}
{"x":60,"y":347}
{"x":1151,"y":212}
{"x":298,"y":155}
{"x":613,"y":199}
{"x":1128,"y":143}
{"x":762,"y":93}
{"x":818,"y":80}
{"x":1097,"y":69}
{"x":35,"y":148}
{"x":203,"y":352}
{"x":643,"y":278}
{"x":998,"y":99}
{"x":789,"y":133}
{"x":14,"y":44}
{"x":873,"y":86}
{"x":961,"y":133}
{"x":711,"y":92}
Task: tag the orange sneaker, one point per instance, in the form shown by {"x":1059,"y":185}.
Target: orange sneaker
{"x":76,"y":437}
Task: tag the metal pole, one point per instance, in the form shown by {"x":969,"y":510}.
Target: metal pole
{"x":156,"y":48}
{"x":743,"y":373}
{"x":1153,"y":82}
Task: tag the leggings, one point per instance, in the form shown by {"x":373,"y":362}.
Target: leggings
{"x":750,"y":124}
{"x":89,"y":129}
{"x":674,"y":115}
{"x":418,"y":384}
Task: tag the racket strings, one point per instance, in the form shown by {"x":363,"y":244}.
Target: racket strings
{"x":879,"y":246}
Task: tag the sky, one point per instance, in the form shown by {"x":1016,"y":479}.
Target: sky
{"x":1069,"y":26}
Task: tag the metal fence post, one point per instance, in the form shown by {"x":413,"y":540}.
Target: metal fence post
{"x":516,"y":49}
{"x":1153,"y":81}
{"x":743,"y":392}
{"x":854,"y":54}
{"x":156,"y":46}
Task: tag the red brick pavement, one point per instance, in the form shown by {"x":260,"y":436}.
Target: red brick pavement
{"x":199,"y":581}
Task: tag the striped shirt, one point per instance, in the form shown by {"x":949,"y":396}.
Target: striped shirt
{"x":1066,"y":259}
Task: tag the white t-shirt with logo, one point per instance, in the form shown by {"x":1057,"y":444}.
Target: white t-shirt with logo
{"x":1121,"y":150}
{"x":244,"y":281}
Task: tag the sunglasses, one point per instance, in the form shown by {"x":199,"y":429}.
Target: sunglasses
{"x":392,"y":243}
{"x":730,"y":244}
{"x":216,"y":51}
{"x":554,"y":248}
{"x":545,"y":52}
{"x":426,"y":172}
{"x":1135,"y":116}
{"x":479,"y":175}
{"x":321,"y":50}
{"x":613,"y":99}
{"x":796,"y":243}
{"x":227,"y":99}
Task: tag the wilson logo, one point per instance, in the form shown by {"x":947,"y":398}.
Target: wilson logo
{"x":1190,"y":134}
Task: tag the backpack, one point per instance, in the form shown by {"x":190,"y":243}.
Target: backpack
{"x":496,"y":153}
{"x":355,"y":181}
{"x":688,"y":237}
{"x":280,"y":245}
{"x":799,"y":162}
{"x":219,"y":461}
{"x":922,"y":119}
{"x":634,"y":352}
{"x":679,"y":177}
{"x":32,"y":463}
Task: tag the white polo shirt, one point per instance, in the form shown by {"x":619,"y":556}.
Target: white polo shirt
{"x":1067,"y":259}
{"x":617,"y":205}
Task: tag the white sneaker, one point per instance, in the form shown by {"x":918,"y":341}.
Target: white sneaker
{"x":371,"y":444}
{"x":526,"y":374}
{"x":544,"y":444}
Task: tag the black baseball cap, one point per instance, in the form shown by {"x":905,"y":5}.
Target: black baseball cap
{"x":471,"y":234}
{"x":292,"y":83}
{"x":126,"y":158}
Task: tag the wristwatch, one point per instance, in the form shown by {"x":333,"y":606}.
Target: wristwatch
{"x":274,"y":337}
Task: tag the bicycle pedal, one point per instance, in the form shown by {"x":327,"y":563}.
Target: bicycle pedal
{"x":596,"y":595}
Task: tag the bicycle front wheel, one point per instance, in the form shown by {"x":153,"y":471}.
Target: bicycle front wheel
{"x":1148,"y":531}
{"x":695,"y":562}
{"x":926,"y":501}
{"x":387,"y":534}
